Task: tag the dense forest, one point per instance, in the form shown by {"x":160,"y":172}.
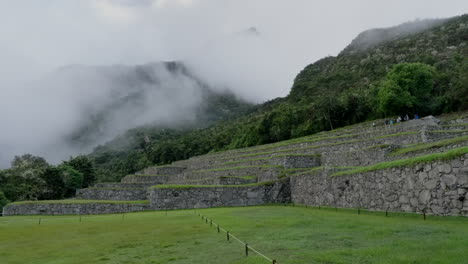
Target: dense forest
{"x":423,"y":70}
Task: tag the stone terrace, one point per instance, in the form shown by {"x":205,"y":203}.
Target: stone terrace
{"x":321,"y":169}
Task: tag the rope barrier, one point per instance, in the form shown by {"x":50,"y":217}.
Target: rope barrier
{"x":229,"y":235}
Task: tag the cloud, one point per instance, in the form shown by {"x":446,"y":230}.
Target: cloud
{"x":38,"y":37}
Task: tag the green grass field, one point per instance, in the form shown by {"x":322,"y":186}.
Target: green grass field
{"x":288,"y":234}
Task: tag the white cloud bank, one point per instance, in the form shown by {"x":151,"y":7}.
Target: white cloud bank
{"x":37,"y":37}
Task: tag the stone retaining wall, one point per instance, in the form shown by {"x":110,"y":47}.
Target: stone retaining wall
{"x":160,"y":179}
{"x":205,"y":197}
{"x":262,"y":173}
{"x":72,"y":209}
{"x":439,"y":188}
{"x":112,"y":194}
{"x":124,"y":185}
{"x":162,"y":170}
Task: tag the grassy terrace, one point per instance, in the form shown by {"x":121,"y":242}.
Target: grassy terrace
{"x":188,"y":186}
{"x":323,"y":145}
{"x":426,"y":146}
{"x":115,"y":188}
{"x":291,"y":235}
{"x":451,"y":154}
{"x":222,"y":177}
{"x":239,"y":168}
{"x":149,"y":175}
{"x":272,"y":157}
{"x":77,"y":201}
{"x":448,"y":131}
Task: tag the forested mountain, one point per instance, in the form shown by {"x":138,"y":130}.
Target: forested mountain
{"x":106,"y":101}
{"x":383,"y":72}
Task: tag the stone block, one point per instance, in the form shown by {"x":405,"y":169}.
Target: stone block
{"x":431,"y":184}
{"x":424,"y":196}
{"x":449,"y":180}
{"x":445,"y":168}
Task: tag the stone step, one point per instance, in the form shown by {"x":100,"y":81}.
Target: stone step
{"x":149,"y":179}
{"x":123,"y":185}
{"x":112,"y":194}
{"x":223,"y":180}
{"x":263,"y":173}
{"x":162,"y":170}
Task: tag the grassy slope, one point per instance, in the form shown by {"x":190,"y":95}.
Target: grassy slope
{"x":306,"y":236}
{"x":448,"y":155}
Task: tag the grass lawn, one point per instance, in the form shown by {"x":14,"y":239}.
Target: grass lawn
{"x":288,"y":234}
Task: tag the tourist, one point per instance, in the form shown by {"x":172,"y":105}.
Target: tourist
{"x":406,"y":117}
{"x":398,"y":120}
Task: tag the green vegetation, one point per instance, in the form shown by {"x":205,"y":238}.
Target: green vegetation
{"x":448,"y":131}
{"x":305,"y":236}
{"x":78,"y":201}
{"x":451,"y":154}
{"x":406,"y":89}
{"x":32,"y":178}
{"x":456,"y":125}
{"x":3,"y":200}
{"x":426,"y":146}
{"x":355,"y":86}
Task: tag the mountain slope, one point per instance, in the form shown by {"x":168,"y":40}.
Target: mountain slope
{"x":330,"y":93}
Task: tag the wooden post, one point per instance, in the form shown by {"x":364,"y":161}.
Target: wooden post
{"x":227,"y":235}
{"x":246,"y":250}
{"x":40,"y":221}
{"x":274,"y":261}
{"x":218,"y":228}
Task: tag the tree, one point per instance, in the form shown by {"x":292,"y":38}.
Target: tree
{"x":23,"y":181}
{"x":85,"y":166}
{"x":54,"y":185}
{"x":3,"y":200}
{"x":72,"y":179}
{"x":406,"y":89}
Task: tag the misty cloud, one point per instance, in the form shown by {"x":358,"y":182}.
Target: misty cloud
{"x":40,"y":105}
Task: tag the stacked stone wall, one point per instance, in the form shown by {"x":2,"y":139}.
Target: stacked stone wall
{"x":205,"y":197}
{"x":112,"y":194}
{"x":439,"y":188}
{"x":71,"y":209}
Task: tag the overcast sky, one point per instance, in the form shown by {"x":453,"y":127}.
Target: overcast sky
{"x":37,"y":36}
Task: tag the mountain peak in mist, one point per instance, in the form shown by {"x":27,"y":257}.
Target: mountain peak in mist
{"x":376,"y":36}
{"x":251,"y":32}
